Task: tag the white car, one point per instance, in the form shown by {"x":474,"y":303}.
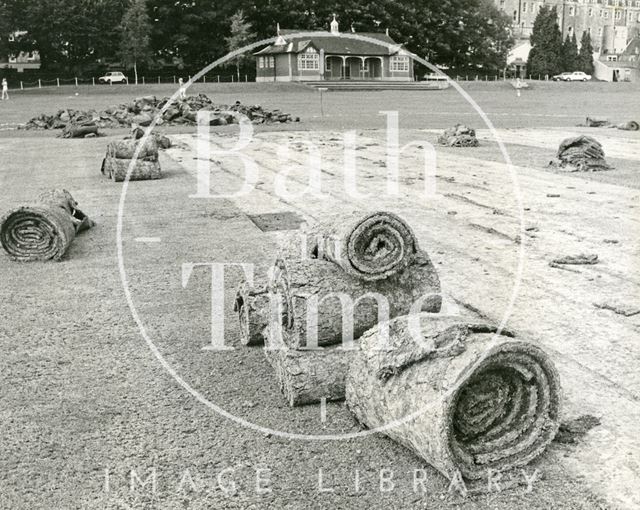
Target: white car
{"x":113,"y":77}
{"x":574,"y":76}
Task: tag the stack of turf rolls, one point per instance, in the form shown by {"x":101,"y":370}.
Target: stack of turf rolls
{"x":355,"y":272}
{"x":141,"y":156}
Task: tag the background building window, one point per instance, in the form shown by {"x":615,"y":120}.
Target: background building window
{"x":261,"y":62}
{"x":400,"y":64}
{"x":272,"y":62}
{"x":309,"y":60}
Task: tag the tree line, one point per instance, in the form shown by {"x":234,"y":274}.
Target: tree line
{"x":76,"y":35}
{"x":550,"y":55}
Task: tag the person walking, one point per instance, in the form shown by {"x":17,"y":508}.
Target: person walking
{"x":5,"y":89}
{"x":183,"y":89}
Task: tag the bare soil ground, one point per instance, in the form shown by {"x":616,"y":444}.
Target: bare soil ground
{"x":81,"y":392}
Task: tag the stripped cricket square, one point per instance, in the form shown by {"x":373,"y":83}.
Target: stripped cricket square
{"x":280,"y":255}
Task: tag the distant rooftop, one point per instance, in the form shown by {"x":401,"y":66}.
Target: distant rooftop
{"x":333,"y":43}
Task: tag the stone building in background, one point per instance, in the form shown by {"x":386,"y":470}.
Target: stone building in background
{"x":20,"y":60}
{"x":611,"y":23}
{"x":614,"y":26}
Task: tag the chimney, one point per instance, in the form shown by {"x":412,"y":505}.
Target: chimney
{"x":334,"y":26}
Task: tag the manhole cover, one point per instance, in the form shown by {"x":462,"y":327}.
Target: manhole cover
{"x":272,"y":222}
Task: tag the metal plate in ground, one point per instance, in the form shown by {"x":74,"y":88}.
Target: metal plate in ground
{"x":273,"y":222}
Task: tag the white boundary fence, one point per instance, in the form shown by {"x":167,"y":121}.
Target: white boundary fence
{"x":142,"y":80}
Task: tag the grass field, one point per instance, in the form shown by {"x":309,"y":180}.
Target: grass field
{"x":545,"y":104}
{"x":81,"y":393}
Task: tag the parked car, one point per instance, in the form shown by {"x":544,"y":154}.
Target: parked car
{"x":113,"y":77}
{"x":574,"y":76}
{"x":434,"y":77}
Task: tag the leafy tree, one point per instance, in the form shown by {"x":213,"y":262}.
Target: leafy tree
{"x":585,"y":56}
{"x":240,"y":36}
{"x":5,"y":28}
{"x":570,"y":53}
{"x":545,"y":57}
{"x":69,"y":34}
{"x":191,"y":32}
{"x":459,"y":33}
{"x":135,"y":36}
{"x":77,"y":33}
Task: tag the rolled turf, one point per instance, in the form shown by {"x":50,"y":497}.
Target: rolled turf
{"x":45,"y":230}
{"x":373,"y":246}
{"x":461,"y":397}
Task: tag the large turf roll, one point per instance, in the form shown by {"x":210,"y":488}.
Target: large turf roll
{"x":371,"y":247}
{"x":455,"y":394}
{"x":45,"y":230}
{"x":126,"y":149}
{"x":143,"y":170}
{"x":308,"y":376}
{"x":74,"y":131}
{"x":312,"y":291}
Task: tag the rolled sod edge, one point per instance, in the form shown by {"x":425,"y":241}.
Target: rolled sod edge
{"x":438,"y":386}
{"x":116,"y":169}
{"x":126,"y":149}
{"x":43,"y":231}
{"x":361,"y":247}
{"x":252,"y":307}
{"x":296,"y":281}
{"x":309,"y":376}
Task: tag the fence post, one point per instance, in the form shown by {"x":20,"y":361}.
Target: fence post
{"x":204,"y":78}
{"x":58,"y":81}
{"x":158,"y":80}
{"x":39,"y":83}
{"x":246,"y":78}
{"x":76,"y":81}
{"x":93,"y":80}
{"x":143,"y":81}
{"x":174,"y":80}
{"x":218,"y":76}
{"x":21,"y":86}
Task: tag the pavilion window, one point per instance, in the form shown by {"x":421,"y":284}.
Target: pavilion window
{"x":400,"y":64}
{"x":309,"y":60}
